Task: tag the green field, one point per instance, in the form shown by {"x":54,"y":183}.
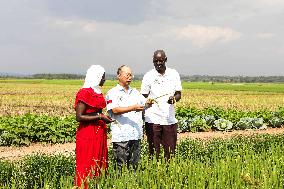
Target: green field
{"x":255,"y":162}
{"x":258,"y":87}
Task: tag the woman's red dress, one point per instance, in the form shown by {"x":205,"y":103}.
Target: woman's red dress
{"x":91,"y":139}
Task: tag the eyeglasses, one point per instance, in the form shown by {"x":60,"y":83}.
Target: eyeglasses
{"x":127,"y":75}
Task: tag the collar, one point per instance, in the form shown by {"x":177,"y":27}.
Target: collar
{"x":120,"y":88}
{"x":165,"y":74}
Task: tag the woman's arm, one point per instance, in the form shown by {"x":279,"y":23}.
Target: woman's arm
{"x":81,"y":117}
{"x":80,"y":109}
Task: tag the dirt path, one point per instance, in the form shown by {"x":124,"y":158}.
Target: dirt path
{"x":13,"y":153}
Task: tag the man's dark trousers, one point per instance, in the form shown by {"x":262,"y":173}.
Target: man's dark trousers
{"x":127,"y":153}
{"x":161,"y":134}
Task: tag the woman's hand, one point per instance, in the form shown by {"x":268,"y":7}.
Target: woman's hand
{"x":106,"y":118}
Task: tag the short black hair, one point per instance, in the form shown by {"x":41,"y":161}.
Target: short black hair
{"x":162,"y":52}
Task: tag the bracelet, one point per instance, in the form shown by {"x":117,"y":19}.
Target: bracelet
{"x":100,"y":117}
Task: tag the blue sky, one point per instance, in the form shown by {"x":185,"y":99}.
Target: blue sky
{"x":207,"y":37}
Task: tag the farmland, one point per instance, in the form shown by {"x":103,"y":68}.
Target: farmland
{"x":42,"y":111}
{"x":255,"y":162}
{"x":56,"y":97}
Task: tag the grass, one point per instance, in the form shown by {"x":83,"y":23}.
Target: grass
{"x":249,"y":162}
{"x":256,"y":87}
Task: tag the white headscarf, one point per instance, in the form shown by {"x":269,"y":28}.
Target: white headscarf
{"x":93,"y":78}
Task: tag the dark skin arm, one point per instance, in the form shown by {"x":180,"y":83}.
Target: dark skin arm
{"x":177,"y":97}
{"x":81,"y":117}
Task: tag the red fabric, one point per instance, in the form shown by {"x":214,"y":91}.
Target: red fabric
{"x":91,"y":140}
{"x":89,"y":97}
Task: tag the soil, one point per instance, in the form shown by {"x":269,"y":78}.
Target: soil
{"x":14,"y":153}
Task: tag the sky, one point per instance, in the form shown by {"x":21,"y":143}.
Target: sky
{"x":200,"y":37}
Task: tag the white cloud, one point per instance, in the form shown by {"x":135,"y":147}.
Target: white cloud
{"x":265,"y":35}
{"x":270,"y":2}
{"x":49,"y":36}
{"x":202,"y":36}
{"x":225,"y":11}
{"x":83,"y":24}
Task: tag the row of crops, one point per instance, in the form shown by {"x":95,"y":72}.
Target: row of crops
{"x":28,"y":128}
{"x":193,"y":119}
{"x":249,"y":162}
{"x":56,"y":97}
{"x":255,"y":162}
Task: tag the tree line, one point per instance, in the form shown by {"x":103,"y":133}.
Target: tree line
{"x":192,"y":78}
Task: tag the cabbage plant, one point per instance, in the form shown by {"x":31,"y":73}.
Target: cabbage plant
{"x":183,"y":124}
{"x":250,"y":123}
{"x":275,"y":122}
{"x":223,"y":124}
{"x":198,"y":124}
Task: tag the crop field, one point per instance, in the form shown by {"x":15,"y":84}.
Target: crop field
{"x":255,"y":162}
{"x":41,"y":111}
{"x":56,"y":97}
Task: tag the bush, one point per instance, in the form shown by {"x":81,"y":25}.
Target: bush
{"x":22,"y":130}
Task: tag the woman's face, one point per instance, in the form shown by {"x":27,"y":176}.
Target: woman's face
{"x":103,"y":80}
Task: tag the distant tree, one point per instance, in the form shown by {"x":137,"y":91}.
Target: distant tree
{"x":193,"y":78}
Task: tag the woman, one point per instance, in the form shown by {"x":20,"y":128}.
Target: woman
{"x":91,"y":136}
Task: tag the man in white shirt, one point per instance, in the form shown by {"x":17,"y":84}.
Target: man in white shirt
{"x":125,"y":105}
{"x":164,"y":86}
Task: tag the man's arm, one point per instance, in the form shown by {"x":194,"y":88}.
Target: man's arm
{"x":122,"y":110}
{"x":177,"y":95}
{"x":113,"y":105}
{"x":175,"y":98}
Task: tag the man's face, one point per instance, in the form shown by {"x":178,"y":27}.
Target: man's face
{"x":159,"y":61}
{"x":125,"y":77}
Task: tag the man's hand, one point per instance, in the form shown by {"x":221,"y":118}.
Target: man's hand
{"x":137,"y":108}
{"x":149,"y":103}
{"x":171,"y":100}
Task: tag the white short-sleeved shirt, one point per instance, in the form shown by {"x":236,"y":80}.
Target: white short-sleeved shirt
{"x":156,"y":85}
{"x":128,"y":126}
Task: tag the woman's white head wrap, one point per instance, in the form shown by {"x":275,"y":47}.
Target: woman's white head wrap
{"x":93,"y":78}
